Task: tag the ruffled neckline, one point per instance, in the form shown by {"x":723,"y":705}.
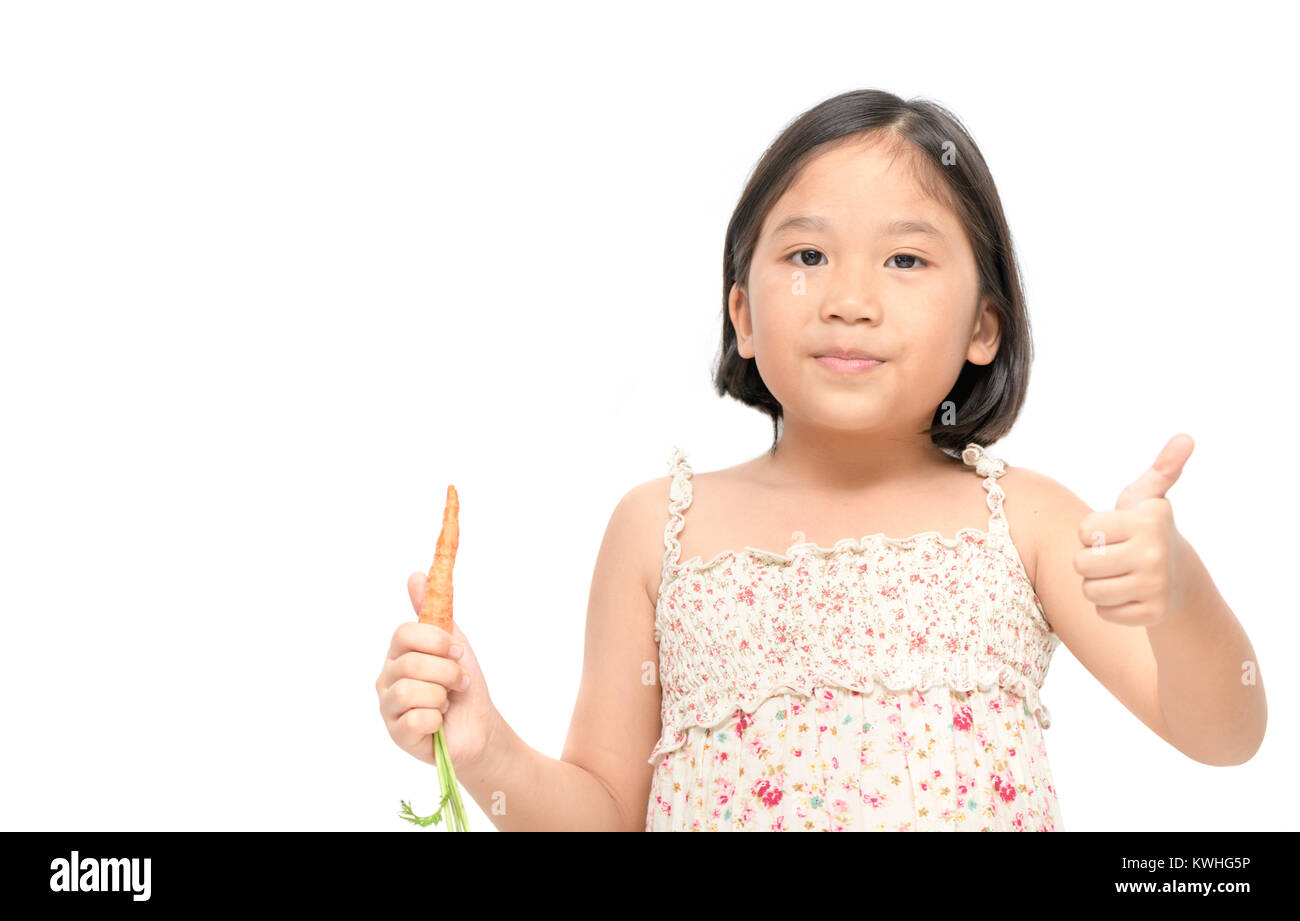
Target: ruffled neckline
{"x":804,"y":548}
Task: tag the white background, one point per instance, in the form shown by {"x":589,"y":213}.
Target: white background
{"x":274,"y":274}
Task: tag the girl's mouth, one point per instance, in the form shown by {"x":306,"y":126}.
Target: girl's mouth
{"x":848,"y":365}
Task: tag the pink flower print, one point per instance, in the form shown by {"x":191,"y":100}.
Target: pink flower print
{"x":874,"y":800}
{"x":746,"y":595}
{"x":1018,"y":823}
{"x":746,"y":719}
{"x":1011,"y":752}
{"x":798,"y":752}
{"x":1006,"y":789}
{"x":769,"y":794}
{"x":779,"y":824}
{"x":961,"y":719}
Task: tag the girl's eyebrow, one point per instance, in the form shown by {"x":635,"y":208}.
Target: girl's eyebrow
{"x":899,"y":227}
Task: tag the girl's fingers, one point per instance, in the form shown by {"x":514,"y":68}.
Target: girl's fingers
{"x":422,"y":667}
{"x":407,"y":694}
{"x":411,"y":635}
{"x":1112,"y":560}
{"x":418,"y":666}
{"x":1112,"y":592}
{"x":416,"y":725}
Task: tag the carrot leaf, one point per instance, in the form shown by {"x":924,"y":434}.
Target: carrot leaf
{"x":410,"y":816}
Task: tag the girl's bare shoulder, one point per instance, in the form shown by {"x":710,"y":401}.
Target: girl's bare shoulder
{"x":649,"y":505}
{"x":1033,"y":507}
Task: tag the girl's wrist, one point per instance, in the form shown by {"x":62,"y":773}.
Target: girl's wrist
{"x":494,"y":756}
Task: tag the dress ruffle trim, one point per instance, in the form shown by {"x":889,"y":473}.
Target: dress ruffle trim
{"x":802,"y":549}
{"x":676,"y":730}
{"x":984,"y":463}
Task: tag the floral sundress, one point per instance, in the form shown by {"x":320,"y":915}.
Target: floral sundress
{"x":882,"y":684}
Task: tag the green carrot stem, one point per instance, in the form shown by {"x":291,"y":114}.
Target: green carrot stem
{"x":450,"y":786}
{"x":450,"y":789}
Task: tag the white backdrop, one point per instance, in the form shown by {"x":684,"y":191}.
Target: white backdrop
{"x":274,"y":274}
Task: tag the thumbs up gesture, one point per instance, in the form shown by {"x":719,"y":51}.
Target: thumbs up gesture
{"x":1133,"y":557}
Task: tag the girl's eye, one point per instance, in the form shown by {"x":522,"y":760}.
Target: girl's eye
{"x":800,"y":254}
{"x":908,"y":256}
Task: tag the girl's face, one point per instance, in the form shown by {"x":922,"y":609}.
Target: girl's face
{"x":845,"y":278}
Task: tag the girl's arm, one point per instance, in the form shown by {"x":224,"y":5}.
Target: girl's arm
{"x":1210,"y":687}
{"x":1192,"y":676}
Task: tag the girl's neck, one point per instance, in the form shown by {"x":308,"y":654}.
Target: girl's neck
{"x":846,"y":464}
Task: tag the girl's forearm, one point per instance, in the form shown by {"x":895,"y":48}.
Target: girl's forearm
{"x":521,"y":789}
{"x":1209,"y":682}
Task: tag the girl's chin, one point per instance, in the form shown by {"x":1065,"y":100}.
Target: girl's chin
{"x":849,"y":422}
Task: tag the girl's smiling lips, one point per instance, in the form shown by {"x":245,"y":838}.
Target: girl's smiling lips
{"x":850,"y":361}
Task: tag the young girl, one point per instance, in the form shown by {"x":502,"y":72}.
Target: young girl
{"x":872,"y":308}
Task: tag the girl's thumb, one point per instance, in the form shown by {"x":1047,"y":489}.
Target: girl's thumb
{"x":415,"y":588}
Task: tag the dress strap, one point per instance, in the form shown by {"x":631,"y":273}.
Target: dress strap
{"x":990,"y":468}
{"x":679,"y":500}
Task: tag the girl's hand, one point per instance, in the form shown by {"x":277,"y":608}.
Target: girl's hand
{"x":419,"y":691}
{"x":1132,"y":557}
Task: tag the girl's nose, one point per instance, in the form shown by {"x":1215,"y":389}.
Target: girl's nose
{"x":851,"y":294}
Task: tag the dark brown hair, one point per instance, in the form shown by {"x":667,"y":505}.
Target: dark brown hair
{"x":948,"y":165}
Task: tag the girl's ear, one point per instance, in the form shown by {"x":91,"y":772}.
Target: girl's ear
{"x":986,"y":336}
{"x":738,"y":309}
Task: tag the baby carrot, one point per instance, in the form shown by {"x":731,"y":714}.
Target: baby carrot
{"x":436,"y":607}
